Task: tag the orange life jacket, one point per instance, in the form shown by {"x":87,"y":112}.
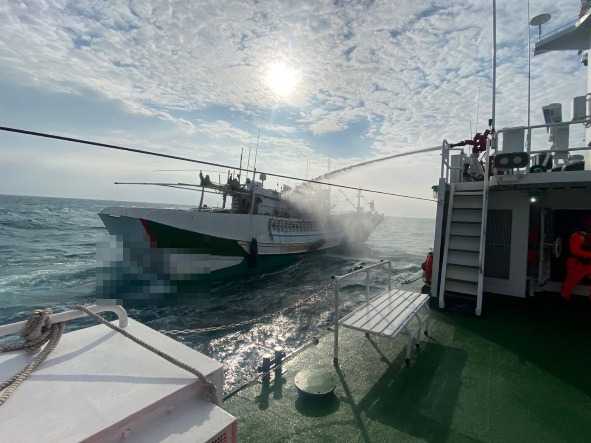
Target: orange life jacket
{"x":580,"y":245}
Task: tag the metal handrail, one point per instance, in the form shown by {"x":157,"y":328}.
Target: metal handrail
{"x":360,"y":270}
{"x":561,"y":151}
{"x":547,"y":125}
{"x":61,"y":317}
{"x":446,"y":167}
{"x":339,"y":278}
{"x":482,"y":249}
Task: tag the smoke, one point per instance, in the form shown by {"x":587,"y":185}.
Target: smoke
{"x":335,"y":212}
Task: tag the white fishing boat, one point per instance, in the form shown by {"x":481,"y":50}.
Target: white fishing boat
{"x":258,"y":224}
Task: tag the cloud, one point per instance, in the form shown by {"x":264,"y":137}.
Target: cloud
{"x":417,"y":72}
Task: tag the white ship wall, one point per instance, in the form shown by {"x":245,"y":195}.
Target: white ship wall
{"x":587,"y":154}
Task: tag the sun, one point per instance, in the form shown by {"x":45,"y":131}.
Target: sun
{"x":282,"y":79}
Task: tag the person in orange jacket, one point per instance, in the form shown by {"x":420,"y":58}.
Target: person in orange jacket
{"x":578,"y":265}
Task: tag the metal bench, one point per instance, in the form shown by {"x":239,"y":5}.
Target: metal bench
{"x":388,"y":314}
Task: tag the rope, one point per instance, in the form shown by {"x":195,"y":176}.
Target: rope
{"x":225,"y":327}
{"x":37,"y":331}
{"x":210,"y":387}
{"x":412,"y":280}
{"x":297,"y":304}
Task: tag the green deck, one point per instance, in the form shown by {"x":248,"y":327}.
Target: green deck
{"x":522,"y":373}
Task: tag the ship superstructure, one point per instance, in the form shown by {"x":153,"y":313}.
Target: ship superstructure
{"x":508,"y":206}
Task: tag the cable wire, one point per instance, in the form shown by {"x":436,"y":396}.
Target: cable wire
{"x":219,"y":165}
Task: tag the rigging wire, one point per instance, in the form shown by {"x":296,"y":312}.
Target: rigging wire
{"x":221,"y":165}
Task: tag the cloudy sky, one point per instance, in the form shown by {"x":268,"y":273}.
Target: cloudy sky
{"x":323,"y":83}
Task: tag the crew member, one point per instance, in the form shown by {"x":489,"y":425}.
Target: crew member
{"x":578,"y":265}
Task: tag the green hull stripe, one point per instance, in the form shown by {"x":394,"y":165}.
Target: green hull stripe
{"x":164,"y":236}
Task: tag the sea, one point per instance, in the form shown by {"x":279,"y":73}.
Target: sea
{"x":55,"y":252}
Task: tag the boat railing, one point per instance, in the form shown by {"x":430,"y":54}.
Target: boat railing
{"x":61,"y":317}
{"x":447,"y":165}
{"x":381,"y":266}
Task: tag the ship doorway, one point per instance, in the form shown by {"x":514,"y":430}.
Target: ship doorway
{"x":550,"y":231}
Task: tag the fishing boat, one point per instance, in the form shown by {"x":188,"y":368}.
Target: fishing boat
{"x":253,"y":224}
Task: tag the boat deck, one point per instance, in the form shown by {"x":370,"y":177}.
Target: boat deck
{"x":520,"y":373}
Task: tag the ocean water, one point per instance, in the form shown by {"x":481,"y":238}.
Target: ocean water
{"x":56,"y":253}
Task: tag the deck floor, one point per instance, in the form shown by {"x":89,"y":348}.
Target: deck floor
{"x":520,"y":374}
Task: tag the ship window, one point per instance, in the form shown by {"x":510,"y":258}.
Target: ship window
{"x":498,"y":243}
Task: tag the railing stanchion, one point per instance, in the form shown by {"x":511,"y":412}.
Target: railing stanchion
{"x":389,"y":276}
{"x":367,"y":286}
{"x":492,"y":142}
{"x":443,"y":149}
{"x":336,"y":321}
{"x":337,"y":279}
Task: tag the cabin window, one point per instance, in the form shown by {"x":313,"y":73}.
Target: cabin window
{"x":498,"y":243}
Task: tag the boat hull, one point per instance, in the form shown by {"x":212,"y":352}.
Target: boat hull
{"x":182,"y":243}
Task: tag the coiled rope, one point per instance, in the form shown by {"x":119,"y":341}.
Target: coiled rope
{"x":37,"y":331}
{"x":209,"y":387}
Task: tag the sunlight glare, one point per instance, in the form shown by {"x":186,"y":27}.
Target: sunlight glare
{"x":282,"y":79}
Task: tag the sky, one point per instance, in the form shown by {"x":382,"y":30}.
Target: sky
{"x":311,"y":85}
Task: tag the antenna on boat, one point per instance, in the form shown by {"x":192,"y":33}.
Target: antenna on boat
{"x":248,"y":161}
{"x":240,"y":168}
{"x":538,"y":21}
{"x":477,"y":115}
{"x":494,"y":64}
{"x":528,"y":80}
{"x":256,"y":151}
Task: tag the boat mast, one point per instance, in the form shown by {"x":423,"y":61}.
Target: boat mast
{"x":240,"y":168}
{"x":256,"y":151}
{"x":248,"y":160}
{"x":528,"y":81}
{"x":494,"y":64}
{"x":202,"y":195}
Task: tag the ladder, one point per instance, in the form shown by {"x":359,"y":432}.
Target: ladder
{"x":462,"y":269}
